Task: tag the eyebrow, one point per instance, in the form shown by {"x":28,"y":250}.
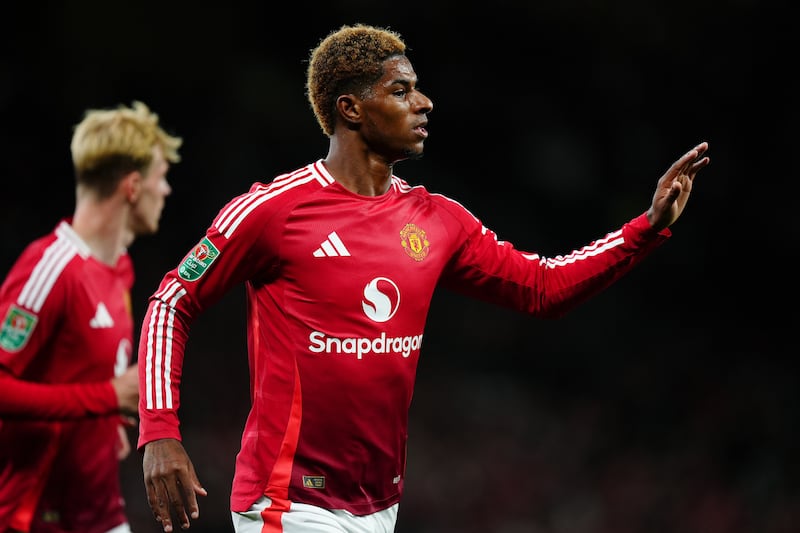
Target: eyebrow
{"x":402,"y":81}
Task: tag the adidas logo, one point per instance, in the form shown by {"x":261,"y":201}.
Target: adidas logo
{"x":332,"y":247}
{"x":102,"y":318}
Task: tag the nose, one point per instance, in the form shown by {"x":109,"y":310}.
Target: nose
{"x":424,"y":103}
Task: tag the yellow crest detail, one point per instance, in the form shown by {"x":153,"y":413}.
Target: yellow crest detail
{"x":314,"y":482}
{"x":414,"y":242}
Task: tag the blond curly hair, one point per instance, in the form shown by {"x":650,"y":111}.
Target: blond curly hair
{"x":348,"y":60}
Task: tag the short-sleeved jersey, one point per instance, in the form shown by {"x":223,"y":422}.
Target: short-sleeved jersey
{"x":67,"y":319}
{"x":338,"y":291}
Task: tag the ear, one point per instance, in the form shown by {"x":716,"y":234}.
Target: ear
{"x":131,"y":186}
{"x":349,"y":108}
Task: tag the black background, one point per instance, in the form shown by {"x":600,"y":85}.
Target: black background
{"x":668,"y":403}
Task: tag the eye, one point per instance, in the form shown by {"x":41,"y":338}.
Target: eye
{"x":400,"y":92}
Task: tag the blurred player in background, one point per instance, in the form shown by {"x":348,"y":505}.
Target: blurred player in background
{"x":67,"y":385}
{"x":340,"y":259}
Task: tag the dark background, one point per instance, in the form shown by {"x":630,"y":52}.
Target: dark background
{"x":666,"y":404}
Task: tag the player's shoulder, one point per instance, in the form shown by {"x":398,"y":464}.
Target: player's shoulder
{"x":289,"y":185}
{"x":60,"y":247}
{"x":265,"y":199}
{"x":442,"y":202}
{"x":417,"y":192}
{"x":49,"y":264}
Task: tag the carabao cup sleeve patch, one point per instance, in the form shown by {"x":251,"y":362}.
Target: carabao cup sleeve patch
{"x":17,"y":328}
{"x":198,"y":260}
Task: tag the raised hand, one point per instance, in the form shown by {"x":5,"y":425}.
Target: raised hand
{"x":675,"y":186}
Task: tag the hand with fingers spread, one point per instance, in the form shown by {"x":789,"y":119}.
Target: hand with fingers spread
{"x":171,"y":483}
{"x":675,"y":186}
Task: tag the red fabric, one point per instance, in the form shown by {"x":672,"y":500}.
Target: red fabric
{"x":26,"y":399}
{"x":338,"y":291}
{"x":67,"y":331}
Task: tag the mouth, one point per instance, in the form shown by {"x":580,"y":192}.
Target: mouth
{"x":422,"y":130}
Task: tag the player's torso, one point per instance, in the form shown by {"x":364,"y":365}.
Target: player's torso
{"x":68,"y":315}
{"x":346,"y":311}
{"x":74,"y":324}
{"x":356,"y":278}
{"x":92,"y":344}
{"x":94,"y":340}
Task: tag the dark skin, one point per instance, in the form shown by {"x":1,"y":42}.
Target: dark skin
{"x":374,"y":133}
{"x":371,"y":135}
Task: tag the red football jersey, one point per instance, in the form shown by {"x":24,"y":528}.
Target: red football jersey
{"x":68,"y":320}
{"x":338,"y":291}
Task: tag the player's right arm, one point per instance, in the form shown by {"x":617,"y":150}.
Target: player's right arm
{"x":241,"y":245}
{"x":29,"y":400}
{"x":32,"y":305}
{"x":238,"y":246}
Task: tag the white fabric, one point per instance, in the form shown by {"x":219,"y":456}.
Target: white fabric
{"x":303,"y":518}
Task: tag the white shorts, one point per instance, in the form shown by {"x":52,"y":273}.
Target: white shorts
{"x":122,"y":528}
{"x":304,"y":518}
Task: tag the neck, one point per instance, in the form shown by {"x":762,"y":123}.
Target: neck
{"x":358,"y":170}
{"x":102,"y":226}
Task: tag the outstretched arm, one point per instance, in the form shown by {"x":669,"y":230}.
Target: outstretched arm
{"x":675,"y":186}
{"x":492,"y":270}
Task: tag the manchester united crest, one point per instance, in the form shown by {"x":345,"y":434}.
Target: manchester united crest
{"x":414,"y":242}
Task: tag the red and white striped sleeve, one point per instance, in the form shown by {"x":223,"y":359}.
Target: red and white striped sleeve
{"x":240,"y":245}
{"x":547,"y":287}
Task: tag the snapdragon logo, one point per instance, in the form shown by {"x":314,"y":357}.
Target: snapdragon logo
{"x":381,"y":305}
{"x":321,"y":343}
{"x":381,"y":300}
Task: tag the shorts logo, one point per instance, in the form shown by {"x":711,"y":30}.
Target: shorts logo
{"x":414,"y":242}
{"x":17,"y":328}
{"x":198,"y":260}
{"x":314,"y":482}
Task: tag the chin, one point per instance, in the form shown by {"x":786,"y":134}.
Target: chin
{"x":147,"y":229}
{"x":413,"y":154}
